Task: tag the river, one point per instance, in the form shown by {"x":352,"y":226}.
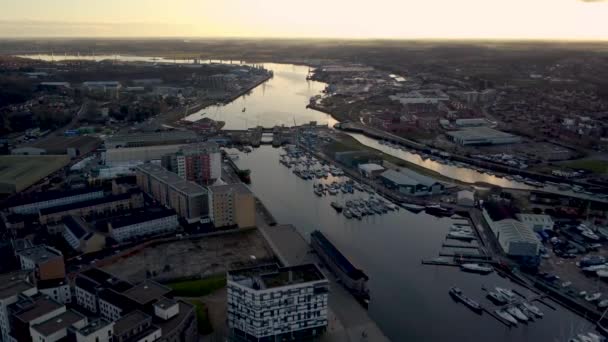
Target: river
{"x":410,"y":302}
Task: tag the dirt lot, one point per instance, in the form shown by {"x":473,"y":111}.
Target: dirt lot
{"x":189,"y":258}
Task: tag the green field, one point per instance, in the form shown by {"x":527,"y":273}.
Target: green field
{"x":594,"y":165}
{"x":202,"y":317}
{"x":197,"y":287}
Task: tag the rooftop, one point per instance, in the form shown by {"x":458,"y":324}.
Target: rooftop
{"x":12,"y":284}
{"x":40,"y":253}
{"x":93,"y":326}
{"x":39,"y":307}
{"x":130,"y":321}
{"x":57,"y":323}
{"x":76,"y":226}
{"x":165,"y":303}
{"x":371,"y":167}
{"x":152,"y":137}
{"x":97,"y":277}
{"x":230,"y":188}
{"x":173,"y":180}
{"x":147,"y":292}
{"x":167,"y":326}
{"x":142,"y":216}
{"x":339,"y":258}
{"x":271,"y":276}
{"x":117,"y":299}
{"x":202,"y":147}
{"x":480,"y":133}
{"x":85,"y":204}
{"x":513,"y":230}
{"x":408,"y":177}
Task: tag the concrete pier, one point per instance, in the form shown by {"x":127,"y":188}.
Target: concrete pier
{"x":348,"y":320}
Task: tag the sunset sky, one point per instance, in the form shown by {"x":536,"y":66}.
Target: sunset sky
{"x":509,"y":19}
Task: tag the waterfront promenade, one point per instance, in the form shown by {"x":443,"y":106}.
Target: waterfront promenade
{"x":348,"y":320}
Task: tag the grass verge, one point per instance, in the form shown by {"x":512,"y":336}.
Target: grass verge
{"x":198,"y":287}
{"x":202,"y":317}
{"x":593,"y":165}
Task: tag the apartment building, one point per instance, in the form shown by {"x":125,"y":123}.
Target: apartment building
{"x":200,"y":162}
{"x":47,"y":199}
{"x":272,"y":303}
{"x":147,"y":223}
{"x":99,"y":206}
{"x":97,"y":330}
{"x":232,"y":205}
{"x":46,"y":262}
{"x":187,"y":198}
{"x":12,"y":287}
{"x":88,"y":284}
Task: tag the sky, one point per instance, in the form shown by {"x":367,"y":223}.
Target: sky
{"x":391,"y":19}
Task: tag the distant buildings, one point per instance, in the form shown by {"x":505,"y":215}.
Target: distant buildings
{"x":80,"y":236}
{"x":482,"y":136}
{"x":189,"y":199}
{"x":148,"y":223}
{"x":137,"y":155}
{"x":150,"y":139}
{"x":232,"y":205}
{"x":267,"y":303}
{"x":200,"y":163}
{"x":411,"y":183}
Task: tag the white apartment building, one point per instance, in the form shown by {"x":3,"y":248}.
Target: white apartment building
{"x":11,"y":286}
{"x":56,"y":328}
{"x":59,"y":290}
{"x":145,"y":224}
{"x":55,"y":198}
{"x":274,"y":302}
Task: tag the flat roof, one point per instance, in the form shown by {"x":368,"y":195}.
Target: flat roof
{"x":147,"y":291}
{"x":271,"y":276}
{"x":21,"y":172}
{"x":230,"y":188}
{"x":129,"y":321}
{"x":371,"y":167}
{"x":14,"y":288}
{"x":481,"y":132}
{"x":94,"y":326}
{"x":202,"y":147}
{"x":167,"y":326}
{"x":150,"y":137}
{"x":57,"y":323}
{"x":61,"y":143}
{"x":98,"y":277}
{"x":172,"y":179}
{"x":165,"y":303}
{"x":76,"y":226}
{"x":408,"y":177}
{"x":40,"y":253}
{"x":40,"y":306}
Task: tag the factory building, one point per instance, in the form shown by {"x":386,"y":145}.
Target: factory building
{"x":536,"y":222}
{"x":187,"y":198}
{"x":515,"y":238}
{"x":475,"y":136}
{"x":411,"y":183}
{"x":268,"y":303}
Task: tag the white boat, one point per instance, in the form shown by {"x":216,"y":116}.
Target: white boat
{"x":506,"y":316}
{"x":533,"y":309}
{"x":515,"y":312}
{"x":594,"y":268}
{"x":461,"y":236}
{"x":593,"y":297}
{"x":497,"y":298}
{"x":477,"y":268}
{"x":590,"y":235}
{"x":602,"y":273}
{"x":412,"y":207}
{"x":566,"y":284}
{"x":603,"y":304}
{"x":508,"y":294}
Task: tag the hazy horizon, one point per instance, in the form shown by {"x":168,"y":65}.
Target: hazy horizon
{"x":580,"y":20}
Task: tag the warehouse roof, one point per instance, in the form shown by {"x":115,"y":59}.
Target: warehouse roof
{"x":478,"y":133}
{"x":370,"y":167}
{"x":408,"y":177}
{"x":514,"y":231}
{"x":19,"y":172}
